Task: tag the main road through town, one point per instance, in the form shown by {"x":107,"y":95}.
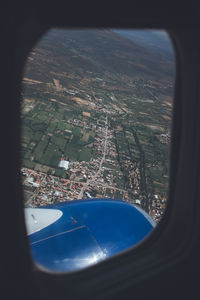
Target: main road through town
{"x":85,"y":185}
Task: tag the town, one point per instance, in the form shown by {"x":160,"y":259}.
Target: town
{"x":100,"y":177}
{"x":96,"y":126}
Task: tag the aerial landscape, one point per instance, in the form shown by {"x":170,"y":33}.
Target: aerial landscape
{"x":96,"y":114}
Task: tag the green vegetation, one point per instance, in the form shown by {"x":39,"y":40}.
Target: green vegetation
{"x":46,"y":138}
{"x":95,"y":73}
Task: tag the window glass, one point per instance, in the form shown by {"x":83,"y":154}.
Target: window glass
{"x":96,"y":116}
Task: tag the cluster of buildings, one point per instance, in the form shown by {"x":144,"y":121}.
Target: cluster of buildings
{"x":158,"y":207}
{"x":82,"y":171}
{"x":82,"y":124}
{"x":45,"y":189}
{"x":49,"y":189}
{"x":164,"y":138}
{"x":100,"y":177}
{"x":102,"y":190}
{"x":107,"y":109}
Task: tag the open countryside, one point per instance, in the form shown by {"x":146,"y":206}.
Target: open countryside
{"x":96,"y":115}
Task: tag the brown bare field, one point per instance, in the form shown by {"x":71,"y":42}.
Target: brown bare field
{"x":31,"y":81}
{"x":166,"y":117}
{"x":28,"y":108}
{"x":28,"y":100}
{"x":155,"y":127}
{"x":143,"y":113}
{"x":146,"y":100}
{"x":65,"y":75}
{"x":113,"y":98}
{"x":159,"y":183}
{"x":82,"y":102}
{"x":78,"y":100}
{"x":168,"y":103}
{"x":116,"y":107}
{"x":84,"y":81}
{"x":86,"y":114}
{"x":56,"y":82}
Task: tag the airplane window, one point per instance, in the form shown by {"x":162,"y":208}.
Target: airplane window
{"x":96,"y":114}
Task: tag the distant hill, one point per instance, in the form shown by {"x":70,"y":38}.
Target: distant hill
{"x":152,"y":40}
{"x":96,"y":52}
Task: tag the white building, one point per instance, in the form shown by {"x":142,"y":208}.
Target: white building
{"x":30,"y":180}
{"x":64,"y":164}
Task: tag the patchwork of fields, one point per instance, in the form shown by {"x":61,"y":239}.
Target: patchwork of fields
{"x":111,"y":124}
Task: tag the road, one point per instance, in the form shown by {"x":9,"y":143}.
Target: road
{"x":85,"y":185}
{"x":89,"y":181}
{"x":36,"y":192}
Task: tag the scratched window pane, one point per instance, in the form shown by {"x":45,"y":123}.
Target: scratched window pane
{"x":96,"y":116}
